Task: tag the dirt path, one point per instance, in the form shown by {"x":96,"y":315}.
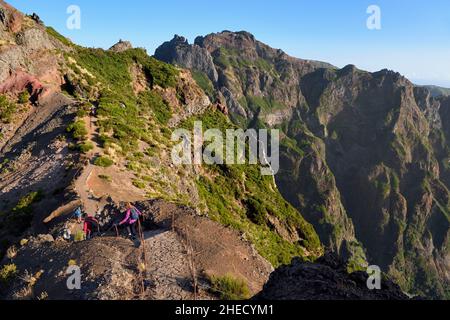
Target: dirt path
{"x":90,"y":187}
{"x":167,"y":266}
{"x":81,"y":184}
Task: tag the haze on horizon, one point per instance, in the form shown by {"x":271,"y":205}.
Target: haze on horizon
{"x":414,"y":38}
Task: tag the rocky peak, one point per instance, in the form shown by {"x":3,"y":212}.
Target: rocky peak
{"x":242,"y":41}
{"x":36,"y":19}
{"x":179,"y":40}
{"x":231,"y":38}
{"x":121,"y":46}
{"x":351,"y":68}
{"x":193,"y":57}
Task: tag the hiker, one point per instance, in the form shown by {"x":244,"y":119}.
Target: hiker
{"x":67,"y":234}
{"x":93,"y":110}
{"x":89,"y":224}
{"x":131,"y":218}
{"x":78,"y":214}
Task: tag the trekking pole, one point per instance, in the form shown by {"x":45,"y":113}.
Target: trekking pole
{"x":144,"y":272}
{"x":173,"y":222}
{"x":141,"y":236}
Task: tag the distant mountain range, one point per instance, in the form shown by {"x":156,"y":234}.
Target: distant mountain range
{"x":438,"y":91}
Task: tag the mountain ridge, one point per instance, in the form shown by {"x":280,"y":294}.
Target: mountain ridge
{"x":345,"y":130}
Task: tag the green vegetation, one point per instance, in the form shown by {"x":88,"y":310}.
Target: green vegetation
{"x":160,"y":109}
{"x":204,"y":82}
{"x":78,"y":130}
{"x":105,"y":177}
{"x":237,"y":196}
{"x":124,"y":117}
{"x":22,"y":214}
{"x":229,"y":288}
{"x":24,"y":97}
{"x":256,"y":211}
{"x":7,"y":274}
{"x":7,"y":109}
{"x":85,"y":147}
{"x":240,"y":197}
{"x":292,"y":144}
{"x":262,"y":104}
{"x":395,"y":181}
{"x":357,"y":260}
{"x":79,"y":236}
{"x":139,"y":184}
{"x":227,"y":58}
{"x":112,"y":68}
{"x":438,"y":91}
{"x":104,"y":162}
{"x":3,"y":164}
{"x":55,"y":34}
{"x":84,"y":110}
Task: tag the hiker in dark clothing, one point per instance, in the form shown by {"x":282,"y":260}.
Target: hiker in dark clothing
{"x":131,"y":218}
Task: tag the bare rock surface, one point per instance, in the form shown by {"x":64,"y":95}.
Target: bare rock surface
{"x":326,"y":279}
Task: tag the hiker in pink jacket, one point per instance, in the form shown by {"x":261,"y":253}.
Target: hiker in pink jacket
{"x":131,"y":218}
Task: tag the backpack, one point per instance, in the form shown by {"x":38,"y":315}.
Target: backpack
{"x":134,"y":214}
{"x":94,"y":222}
{"x":77,"y":213}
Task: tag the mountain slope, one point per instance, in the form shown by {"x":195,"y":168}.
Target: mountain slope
{"x":438,"y":91}
{"x":364,"y":156}
{"x":92,"y":126}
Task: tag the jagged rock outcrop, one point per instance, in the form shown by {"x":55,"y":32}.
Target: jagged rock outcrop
{"x":121,"y":46}
{"x":259,"y":83}
{"x":26,"y":60}
{"x":325,"y":279}
{"x":178,"y":51}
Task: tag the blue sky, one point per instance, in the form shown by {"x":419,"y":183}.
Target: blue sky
{"x":414,"y":38}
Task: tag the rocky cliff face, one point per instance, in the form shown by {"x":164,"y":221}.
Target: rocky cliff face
{"x":27,"y":60}
{"x":178,"y":51}
{"x":364,"y":155}
{"x":326,"y":279}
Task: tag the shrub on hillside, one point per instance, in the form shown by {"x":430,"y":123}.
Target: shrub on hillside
{"x":229,"y":288}
{"x":22,"y":214}
{"x":78,"y":130}
{"x":7,"y":109}
{"x":104,"y":162}
{"x":256,"y":211}
{"x":85,"y":147}
{"x":139,"y":184}
{"x":7,"y":274}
